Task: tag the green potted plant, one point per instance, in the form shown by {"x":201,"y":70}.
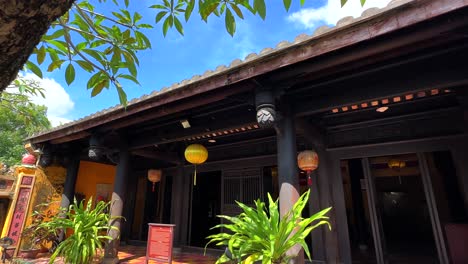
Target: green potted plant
{"x":37,"y":237}
{"x":89,"y":225}
{"x":30,"y":245}
{"x":260,"y":235}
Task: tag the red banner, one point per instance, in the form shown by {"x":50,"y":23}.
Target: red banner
{"x":160,"y":238}
{"x":19,"y":214}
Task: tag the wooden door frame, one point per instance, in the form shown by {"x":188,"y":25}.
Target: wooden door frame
{"x":445,"y":143}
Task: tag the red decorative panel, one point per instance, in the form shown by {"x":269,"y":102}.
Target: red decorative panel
{"x":160,"y":237}
{"x":19,"y":213}
{"x":26,"y":180}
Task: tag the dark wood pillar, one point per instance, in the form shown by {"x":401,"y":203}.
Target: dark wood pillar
{"x":460,"y":152}
{"x":287,"y":165}
{"x":180,"y":206}
{"x":70,"y":181}
{"x":69,"y":186}
{"x":332,"y":195}
{"x":315,"y":140}
{"x":118,"y":198}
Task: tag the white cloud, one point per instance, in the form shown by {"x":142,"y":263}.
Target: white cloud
{"x":57,"y":100}
{"x":331,"y":12}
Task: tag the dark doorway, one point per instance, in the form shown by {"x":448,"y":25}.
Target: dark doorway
{"x":357,"y":211}
{"x":206,"y":205}
{"x":402,"y":210}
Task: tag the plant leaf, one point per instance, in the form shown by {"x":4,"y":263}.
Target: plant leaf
{"x":260,"y":7}
{"x":33,"y":67}
{"x":230,"y":22}
{"x":70,"y":74}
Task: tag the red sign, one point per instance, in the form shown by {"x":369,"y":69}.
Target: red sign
{"x":19,"y":214}
{"x":160,"y":237}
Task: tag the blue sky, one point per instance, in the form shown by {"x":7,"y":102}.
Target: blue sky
{"x":204,"y":46}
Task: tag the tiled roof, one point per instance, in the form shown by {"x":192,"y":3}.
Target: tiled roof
{"x":237,"y":63}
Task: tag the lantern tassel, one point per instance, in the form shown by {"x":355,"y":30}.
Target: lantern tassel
{"x":309,"y":179}
{"x":195,"y":177}
{"x":153,"y":186}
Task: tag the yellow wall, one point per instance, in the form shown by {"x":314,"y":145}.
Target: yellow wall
{"x":92,"y":173}
{"x":48,"y":188}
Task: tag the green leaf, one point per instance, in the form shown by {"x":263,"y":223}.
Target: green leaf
{"x":230,"y":22}
{"x":136,"y":17}
{"x":208,"y":8}
{"x":85,"y":65}
{"x":160,"y":15}
{"x":129,"y":77}
{"x":41,"y":52}
{"x":189,"y":9}
{"x":122,"y":94}
{"x":363,"y":2}
{"x":55,"y":65}
{"x":93,"y":53}
{"x":287,"y":4}
{"x":70,"y":74}
{"x":167,"y":24}
{"x":33,"y":67}
{"x":237,"y":10}
{"x":260,"y":7}
{"x":178,"y":26}
{"x":343,"y":2}
{"x":55,"y":35}
{"x":98,"y":88}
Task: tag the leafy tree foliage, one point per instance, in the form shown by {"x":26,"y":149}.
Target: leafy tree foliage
{"x":105,"y":43}
{"x":19,"y":118}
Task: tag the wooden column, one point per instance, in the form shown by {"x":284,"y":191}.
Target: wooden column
{"x":180,"y":206}
{"x":460,"y":151}
{"x":337,"y":240}
{"x":118,"y":198}
{"x":288,"y":180}
{"x":69,"y":186}
{"x":70,"y":181}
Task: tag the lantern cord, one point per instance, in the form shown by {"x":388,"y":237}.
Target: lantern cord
{"x":195,"y":176}
{"x":153,"y":186}
{"x":309,"y":178}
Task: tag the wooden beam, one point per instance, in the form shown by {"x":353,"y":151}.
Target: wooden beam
{"x":446,"y":71}
{"x":311,"y":134}
{"x":68,"y":138}
{"x":215,"y":127}
{"x":158,"y":155}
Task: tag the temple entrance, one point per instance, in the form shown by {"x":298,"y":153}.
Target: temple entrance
{"x":206,"y":205}
{"x":398,"y":205}
{"x":401,"y":209}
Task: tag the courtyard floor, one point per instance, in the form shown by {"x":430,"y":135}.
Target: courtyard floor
{"x":137,"y":255}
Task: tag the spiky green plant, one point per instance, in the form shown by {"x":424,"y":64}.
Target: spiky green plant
{"x":260,"y":234}
{"x":89,"y":225}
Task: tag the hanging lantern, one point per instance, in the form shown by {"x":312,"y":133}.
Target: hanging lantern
{"x":196,"y":154}
{"x":308,"y":161}
{"x":396,"y":164}
{"x":154,"y":176}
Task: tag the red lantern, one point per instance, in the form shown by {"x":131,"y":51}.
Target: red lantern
{"x":308,"y":161}
{"x":28,"y":159}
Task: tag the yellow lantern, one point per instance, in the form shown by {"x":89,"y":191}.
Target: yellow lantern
{"x":154,"y":176}
{"x":196,"y":154}
{"x":308,"y":161}
{"x":396,"y":164}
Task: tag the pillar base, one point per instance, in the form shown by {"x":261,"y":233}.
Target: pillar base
{"x":110,"y":260}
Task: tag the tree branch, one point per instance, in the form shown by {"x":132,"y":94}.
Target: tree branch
{"x":68,"y":40}
{"x":103,"y":16}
